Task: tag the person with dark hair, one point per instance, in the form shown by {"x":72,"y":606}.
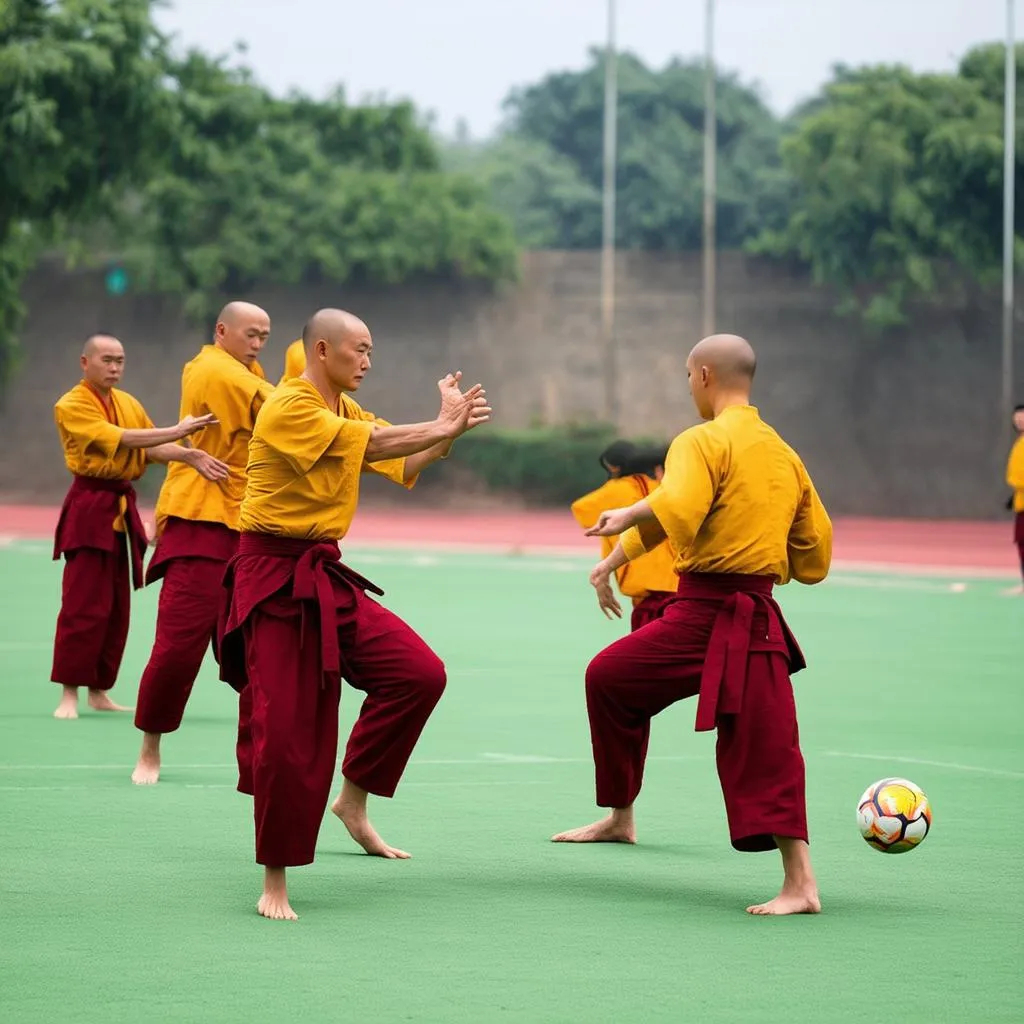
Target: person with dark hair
{"x":650,"y":580}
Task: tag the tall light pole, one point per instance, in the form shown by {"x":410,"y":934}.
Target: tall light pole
{"x":710,"y":171}
{"x":1009,"y":175}
{"x":609,"y":360}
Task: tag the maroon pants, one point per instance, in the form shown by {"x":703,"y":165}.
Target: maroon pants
{"x":186,"y":625}
{"x":92,"y":627}
{"x":1018,"y":537}
{"x":649,"y":609}
{"x":760,"y":765}
{"x":288,"y":714}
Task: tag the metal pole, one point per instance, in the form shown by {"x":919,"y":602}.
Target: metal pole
{"x":611,"y":404}
{"x":710,"y":172}
{"x":1009,"y":174}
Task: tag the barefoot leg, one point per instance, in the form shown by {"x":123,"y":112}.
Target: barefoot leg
{"x":350,"y":807}
{"x":147,"y":770}
{"x":618,"y":827}
{"x":68,"y":706}
{"x":274,"y":903}
{"x":799,"y":893}
{"x":99,"y":700}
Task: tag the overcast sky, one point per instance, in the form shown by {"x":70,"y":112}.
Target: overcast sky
{"x":459,"y":58}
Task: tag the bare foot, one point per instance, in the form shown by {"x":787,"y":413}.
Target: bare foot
{"x":68,"y":706}
{"x":274,"y":903}
{"x":100,"y":701}
{"x":147,"y":770}
{"x":1013,"y":591}
{"x":353,"y":816}
{"x":791,"y":900}
{"x":618,"y":827}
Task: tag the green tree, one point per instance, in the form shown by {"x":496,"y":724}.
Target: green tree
{"x":255,"y":188}
{"x":900,"y":180}
{"x":82,"y":111}
{"x":558,"y":125}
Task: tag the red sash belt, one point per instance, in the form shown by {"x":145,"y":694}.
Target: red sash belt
{"x":312,"y":568}
{"x":87,"y":520}
{"x":732,"y":639}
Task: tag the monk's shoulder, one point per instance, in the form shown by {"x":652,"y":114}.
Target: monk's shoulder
{"x":73,"y":399}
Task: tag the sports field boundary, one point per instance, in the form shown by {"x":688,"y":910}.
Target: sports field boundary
{"x":886,"y":547}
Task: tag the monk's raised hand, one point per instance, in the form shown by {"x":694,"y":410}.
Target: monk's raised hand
{"x":600,"y":580}
{"x":610,"y":523}
{"x":190,"y":424}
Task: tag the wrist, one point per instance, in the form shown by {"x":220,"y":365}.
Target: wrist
{"x":449,"y":431}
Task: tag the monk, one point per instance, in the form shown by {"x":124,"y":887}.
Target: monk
{"x":108,"y":441}
{"x":1015,"y":479}
{"x":739,"y":509}
{"x":299,"y":619}
{"x":294,"y":360}
{"x":650,"y":581}
{"x":197,"y":523}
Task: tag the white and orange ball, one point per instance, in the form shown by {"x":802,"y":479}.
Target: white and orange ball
{"x":894,"y":815}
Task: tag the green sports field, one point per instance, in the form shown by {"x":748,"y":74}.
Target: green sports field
{"x":124,"y":904}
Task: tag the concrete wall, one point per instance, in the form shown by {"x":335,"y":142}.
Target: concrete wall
{"x":900,"y":425}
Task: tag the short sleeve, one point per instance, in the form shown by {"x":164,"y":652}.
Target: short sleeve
{"x":304,"y":433}
{"x":82,"y":419}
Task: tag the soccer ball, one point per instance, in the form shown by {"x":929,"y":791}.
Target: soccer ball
{"x":894,"y":815}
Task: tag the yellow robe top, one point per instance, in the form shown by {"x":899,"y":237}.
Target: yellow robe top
{"x":1015,"y":473}
{"x":90,"y":434}
{"x":214,"y":381}
{"x":650,"y":572}
{"x":305,"y":460}
{"x":294,"y":360}
{"x":736,"y":498}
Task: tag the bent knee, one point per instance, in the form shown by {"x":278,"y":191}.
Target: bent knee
{"x":601,"y":673}
{"x":432,"y":678}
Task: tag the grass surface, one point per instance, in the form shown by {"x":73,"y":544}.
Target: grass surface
{"x":121,"y":904}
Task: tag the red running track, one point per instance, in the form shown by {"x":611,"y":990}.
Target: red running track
{"x":899,"y":545}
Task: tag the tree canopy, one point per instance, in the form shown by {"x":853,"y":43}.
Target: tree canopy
{"x":201,"y":180}
{"x":899,"y":183}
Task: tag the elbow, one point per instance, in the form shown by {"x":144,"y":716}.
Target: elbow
{"x":809,"y":575}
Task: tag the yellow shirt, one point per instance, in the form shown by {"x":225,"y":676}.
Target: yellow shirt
{"x":736,"y":498}
{"x":90,"y":434}
{"x":1015,"y":473}
{"x":214,"y":381}
{"x":302,"y":478}
{"x":653,"y":571}
{"x":294,"y":360}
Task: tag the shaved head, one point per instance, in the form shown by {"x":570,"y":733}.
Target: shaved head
{"x":234,"y":312}
{"x":338,"y":348}
{"x":332,"y":326}
{"x":95,"y":342}
{"x":730,"y":358}
{"x":242,"y":330}
{"x":102,"y":362}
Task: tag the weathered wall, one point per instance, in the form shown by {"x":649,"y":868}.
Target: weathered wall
{"x":904,"y":425}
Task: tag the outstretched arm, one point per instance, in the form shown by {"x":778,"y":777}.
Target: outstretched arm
{"x":154,"y":436}
{"x":202,"y":462}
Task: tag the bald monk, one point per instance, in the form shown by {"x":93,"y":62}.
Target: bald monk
{"x":299,"y":619}
{"x":197,"y":523}
{"x":740,"y":510}
{"x":1015,"y":479}
{"x":650,"y":581}
{"x":108,"y":441}
{"x":294,"y":360}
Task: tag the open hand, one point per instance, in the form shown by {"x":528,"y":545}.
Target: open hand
{"x":462,"y":411}
{"x":207,"y":466}
{"x":600,"y":580}
{"x":190,"y":424}
{"x":611,"y":523}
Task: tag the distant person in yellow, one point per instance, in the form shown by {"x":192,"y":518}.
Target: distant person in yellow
{"x":650,"y":580}
{"x":1015,"y":478}
{"x":294,"y":360}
